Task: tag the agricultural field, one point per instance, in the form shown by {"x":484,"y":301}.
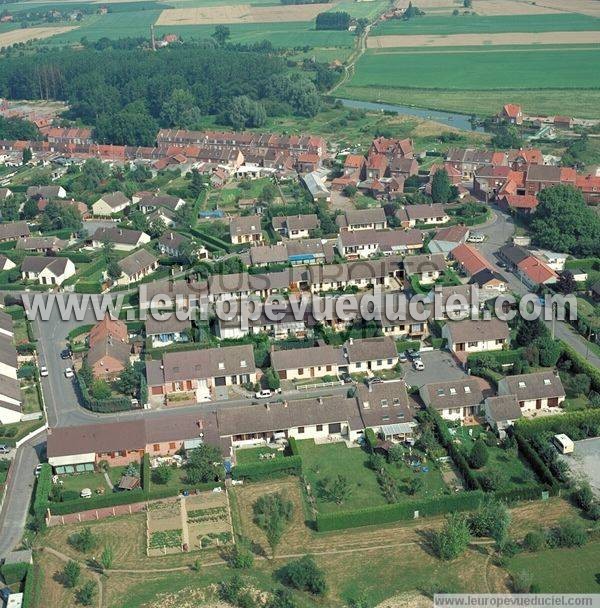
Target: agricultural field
{"x":14,"y":36}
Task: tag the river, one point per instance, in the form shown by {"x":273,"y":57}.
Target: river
{"x":459,"y":121}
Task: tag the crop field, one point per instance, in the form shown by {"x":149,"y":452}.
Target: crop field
{"x":517,"y":7}
{"x":8,"y":38}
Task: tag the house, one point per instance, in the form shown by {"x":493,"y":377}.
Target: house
{"x":238,"y":285}
{"x":523,"y":204}
{"x":536,"y":391}
{"x":109,"y":204}
{"x":553,"y":259}
{"x":475,"y":335}
{"x":333,"y":417}
{"x":519,"y":159}
{"x":8,"y":356}
{"x":590,"y":188}
{"x":123,"y":239}
{"x":13,"y":231}
{"x":533,"y":272}
{"x":246,"y":229}
{"x":367,"y":243}
{"x":489,"y":180}
{"x":148,"y":204}
{"x":263,"y":255}
{"x":315,"y":184}
{"x":6,"y":263}
{"x":296,"y":226}
{"x":108,"y":357}
{"x":136,"y":266}
{"x":447,"y":239}
{"x":377,"y":165}
{"x":512,"y":255}
{"x":308,"y":162}
{"x":385,"y":408}
{"x":391,"y":147}
{"x":403,"y":167}
{"x":173,"y":244}
{"x":369,"y":355}
{"x":427,"y":268}
{"x":490,"y":282}
{"x":310,"y":251}
{"x":468,"y":259}
{"x":454,"y":399}
{"x":193,"y":376}
{"x":168,"y":293}
{"x":46,"y":192}
{"x":454,"y":301}
{"x":512,"y":114}
{"x":41,"y":244}
{"x":47,"y":271}
{"x":563,"y":122}
{"x":468,"y":161}
{"x":501,"y":412}
{"x":108,"y":328}
{"x":6,"y":326}
{"x":395,"y":318}
{"x":11,"y":399}
{"x":411,"y":215}
{"x":163,"y":332}
{"x":306,"y":363}
{"x":539,"y":177}
{"x":362,"y":219}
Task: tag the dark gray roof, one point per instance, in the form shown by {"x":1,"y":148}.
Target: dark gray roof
{"x":361,"y":216}
{"x":13,"y":230}
{"x":10,"y":387}
{"x":515,"y":254}
{"x":370,"y":349}
{"x":453,"y":394}
{"x":427,"y":262}
{"x":32,"y":243}
{"x":171,"y":239}
{"x":384,"y":403}
{"x":307,"y":221}
{"x":473,"y":330}
{"x":172,"y":324}
{"x":137,"y":261}
{"x":121,"y":236}
{"x":269,"y":254}
{"x":6,"y":322}
{"x":109,"y":347}
{"x":249,"y":224}
{"x":314,"y":356}
{"x":8,"y":352}
{"x":115,"y":199}
{"x":539,"y":385}
{"x":485,"y":276}
{"x":502,"y":408}
{"x":38,"y":263}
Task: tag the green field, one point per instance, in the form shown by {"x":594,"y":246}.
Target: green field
{"x":475,"y":24}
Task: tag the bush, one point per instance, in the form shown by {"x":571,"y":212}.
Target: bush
{"x":584,"y":496}
{"x":83,"y":541}
{"x":521,"y":582}
{"x":453,"y":539}
{"x":370,"y":438}
{"x":305,"y":575}
{"x":162,"y":474}
{"x":569,"y":533}
{"x":479,"y":454}
{"x":534,"y":541}
{"x":85,"y":594}
{"x":14,"y":573}
{"x":70,"y":574}
{"x":239,"y":557}
{"x":293,"y":446}
{"x":492,"y":518}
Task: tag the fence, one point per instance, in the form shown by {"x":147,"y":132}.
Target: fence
{"x":307,"y":387}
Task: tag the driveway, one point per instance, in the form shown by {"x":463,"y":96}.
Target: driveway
{"x":439,"y":367}
{"x":584,"y":461}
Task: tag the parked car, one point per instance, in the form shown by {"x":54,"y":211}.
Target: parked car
{"x":476,"y":238}
{"x":43,"y":371}
{"x":346,"y":378}
{"x":502,"y":264}
{"x":4,"y":449}
{"x":69,"y":373}
{"x":374,"y":380}
{"x":418,"y":365}
{"x":413,"y":355}
{"x":66,"y":353}
{"x":265,"y":393}
{"x":37,"y":470}
{"x":402,"y":357}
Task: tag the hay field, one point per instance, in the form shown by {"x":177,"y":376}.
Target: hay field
{"x":585,"y":7}
{"x":460,"y":40}
{"x":520,"y":7}
{"x":241,"y":13}
{"x":31,"y":33}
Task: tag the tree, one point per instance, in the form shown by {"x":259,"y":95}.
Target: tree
{"x":566,"y":282}
{"x":507,"y":136}
{"x":453,"y":539}
{"x":221,"y":34}
{"x":272,"y":512}
{"x":180,"y":110}
{"x":84,"y":541}
{"x":161,"y":474}
{"x":440,"y":186}
{"x":529,"y":331}
{"x":70,"y":574}
{"x":492,"y":518}
{"x":304,"y":574}
{"x":27,"y":155}
{"x":272,"y":378}
{"x":200,"y":466}
{"x":86,"y":373}
{"x":85,"y":594}
{"x":107,"y":557}
{"x":100,"y":389}
{"x":479,"y":454}
{"x":549,"y":349}
{"x":245,"y":112}
{"x":412,"y":11}
{"x":282,"y":598}
{"x":268,"y":193}
{"x":129,"y":381}
{"x":334,"y":489}
{"x":30,"y":209}
{"x":361,"y":26}
{"x":349,"y":190}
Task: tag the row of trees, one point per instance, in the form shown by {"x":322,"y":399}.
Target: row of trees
{"x":336,"y":20}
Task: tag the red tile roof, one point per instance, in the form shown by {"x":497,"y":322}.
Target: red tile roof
{"x":512,"y":110}
{"x":588,"y":183}
{"x":469,"y":258}
{"x":522,"y":201}
{"x":536,"y":270}
{"x":354,"y":161}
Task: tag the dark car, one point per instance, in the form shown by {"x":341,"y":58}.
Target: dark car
{"x":346,"y":378}
{"x":413,"y":355}
{"x":501,"y":264}
{"x":374,"y":380}
{"x":66,"y":353}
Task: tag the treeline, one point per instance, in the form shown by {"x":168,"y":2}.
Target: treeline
{"x":16,"y":128}
{"x":304,"y":1}
{"x":127,"y":94}
{"x":338,"y":20}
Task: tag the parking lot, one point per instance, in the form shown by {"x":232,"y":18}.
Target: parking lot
{"x":439,"y":367}
{"x":585,"y":461}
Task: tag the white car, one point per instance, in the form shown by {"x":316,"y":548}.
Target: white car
{"x":265,"y":393}
{"x":43,"y":371}
{"x":476,"y":238}
{"x":38,"y":470}
{"x":418,"y":365}
{"x":69,"y":373}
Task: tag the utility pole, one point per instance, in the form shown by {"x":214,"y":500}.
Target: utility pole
{"x":153,"y":40}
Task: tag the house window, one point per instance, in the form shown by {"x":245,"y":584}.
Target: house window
{"x":379,"y":361}
{"x":172,"y":445}
{"x":300,"y":371}
{"x":500,"y":341}
{"x":385,"y":418}
{"x":319,"y":427}
{"x":123,"y":453}
{"x":358,"y":365}
{"x":156,"y":447}
{"x":328,"y":368}
{"x":473,"y":344}
{"x":384,"y":403}
{"x":300,"y":429}
{"x":366,"y":405}
{"x":389,"y":361}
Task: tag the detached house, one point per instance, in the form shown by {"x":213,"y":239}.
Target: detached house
{"x":447,"y":239}
{"x":469,"y":260}
{"x":109,"y":349}
{"x":47,"y":271}
{"x":122,"y":238}
{"x":455,"y":399}
{"x":473,"y":336}
{"x":246,"y":229}
{"x":537,"y":391}
{"x":136,"y":266}
{"x":363,"y":219}
{"x":410,"y":215}
{"x":41,"y":244}
{"x":295,"y":226}
{"x":151,"y":203}
{"x":511,"y":113}
{"x":109,"y":204}
{"x":46,"y":192}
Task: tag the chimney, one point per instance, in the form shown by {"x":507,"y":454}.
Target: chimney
{"x":320,"y":400}
{"x":350,"y":341}
{"x":285,"y":404}
{"x":267,"y":407}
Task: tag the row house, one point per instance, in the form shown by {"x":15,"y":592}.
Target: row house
{"x":538,"y":177}
{"x":454,"y":300}
{"x":468,"y":161}
{"x":68,"y":135}
{"x":590,"y":188}
{"x":427,"y":268}
{"x":454,"y":400}
{"x":469,"y":260}
{"x":368,"y":243}
{"x":392,"y":147}
{"x":369,"y":355}
{"x":534,"y":392}
{"x":354,"y":172}
{"x":243,"y":285}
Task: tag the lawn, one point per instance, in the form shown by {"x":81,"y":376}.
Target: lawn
{"x":227,"y":198}
{"x":252,"y":455}
{"x":562,"y":570}
{"x":175,"y":484}
{"x":478,"y":24}
{"x":31,"y":400}
{"x":331,"y":460}
{"x":79,"y":481}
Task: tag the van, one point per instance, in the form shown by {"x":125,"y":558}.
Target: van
{"x":564,"y":444}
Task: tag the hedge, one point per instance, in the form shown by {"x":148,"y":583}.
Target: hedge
{"x":88,"y":287}
{"x":569,"y":423}
{"x":42,"y":491}
{"x":370,"y":438}
{"x":77,"y":257}
{"x":402,"y":345}
{"x":212,"y":242}
{"x":537,"y":464}
{"x":580,"y":365}
{"x":78,"y":331}
{"x":290,"y":465}
{"x":114,"y":404}
{"x":97,"y":502}
{"x":293,"y":446}
{"x":503,"y":357}
{"x":158,"y":492}
{"x":32,"y":593}
{"x":145,"y":473}
{"x":14,"y":573}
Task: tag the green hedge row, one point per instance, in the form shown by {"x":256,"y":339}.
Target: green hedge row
{"x":503,"y":357}
{"x":212,"y":242}
{"x":290,"y":465}
{"x":32,"y":593}
{"x":537,"y":464}
{"x":371,"y":438}
{"x":14,"y":573}
{"x":88,"y":288}
{"x":580,"y":365}
{"x":569,"y":423}
{"x":42,"y":491}
{"x":98,"y":502}
{"x":114,"y":404}
{"x":79,"y":331}
{"x":293,"y":446}
{"x":157,"y":492}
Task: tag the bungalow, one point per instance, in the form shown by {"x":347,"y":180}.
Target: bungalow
{"x":263,"y":255}
{"x":367,"y":243}
{"x":167,"y":293}
{"x":427,"y":268}
{"x":369,"y":355}
{"x":8,"y":357}
{"x":122,"y":238}
{"x":447,"y":239}
{"x":13,"y":231}
{"x":163,"y":332}
{"x":454,"y":399}
{"x":109,"y":204}
{"x":469,"y":260}
{"x":148,"y":204}
{"x":501,"y":412}
{"x":306,"y":363}
{"x":243,"y":285}
{"x":41,"y":244}
{"x":537,"y":391}
{"x":456,"y":301}
{"x":474,"y":336}
{"x":489,"y":282}
{"x":171,"y":243}
{"x":410,"y":215}
{"x":534,"y":272}
{"x":295,"y":226}
{"x":246,"y":229}
{"x":47,"y":271}
{"x":46,"y":192}
{"x":108,"y":357}
{"x":136,"y":266}
{"x":193,"y":376}
{"x":310,"y":251}
{"x":372,"y":218}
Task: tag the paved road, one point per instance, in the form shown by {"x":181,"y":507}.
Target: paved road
{"x":18,"y":493}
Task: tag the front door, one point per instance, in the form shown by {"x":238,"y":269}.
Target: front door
{"x":538,"y":404}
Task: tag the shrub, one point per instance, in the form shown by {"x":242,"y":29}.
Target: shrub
{"x":584,"y":496}
{"x":492,"y":518}
{"x":534,"y":541}
{"x":14,"y":573}
{"x":521,"y":582}
{"x":370,"y":438}
{"x":85,"y":594}
{"x":83,"y":541}
{"x":70,"y":574}
{"x":162,"y":474}
{"x":453,"y":539}
{"x":305,"y":575}
{"x":239,"y":557}
{"x":569,"y":533}
{"x":293,"y":446}
{"x":479,"y":454}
